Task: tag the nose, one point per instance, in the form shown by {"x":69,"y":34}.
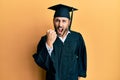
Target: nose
{"x":60,"y":24}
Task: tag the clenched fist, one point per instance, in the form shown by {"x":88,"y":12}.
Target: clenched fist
{"x":51,"y":37}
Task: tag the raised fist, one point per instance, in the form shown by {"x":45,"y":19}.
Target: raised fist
{"x":51,"y":37}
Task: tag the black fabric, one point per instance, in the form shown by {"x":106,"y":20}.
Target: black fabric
{"x":62,"y":10}
{"x":68,"y":60}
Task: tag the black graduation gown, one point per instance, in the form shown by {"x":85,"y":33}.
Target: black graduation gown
{"x":68,"y":60}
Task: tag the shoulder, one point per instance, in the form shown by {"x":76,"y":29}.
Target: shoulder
{"x":76,"y":34}
{"x":44,"y":37}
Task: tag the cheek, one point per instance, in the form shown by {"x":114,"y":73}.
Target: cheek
{"x":66,"y":25}
{"x":55,"y":24}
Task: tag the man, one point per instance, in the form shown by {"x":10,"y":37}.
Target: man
{"x":62,"y":52}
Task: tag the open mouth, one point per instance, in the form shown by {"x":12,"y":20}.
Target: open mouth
{"x":60,"y":30}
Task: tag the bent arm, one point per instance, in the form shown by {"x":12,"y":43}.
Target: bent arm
{"x":42,"y":57}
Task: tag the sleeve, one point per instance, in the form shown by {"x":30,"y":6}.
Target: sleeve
{"x":82,"y":59}
{"x":42,"y":57}
{"x":49,"y":49}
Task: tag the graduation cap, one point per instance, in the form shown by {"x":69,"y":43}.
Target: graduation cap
{"x":63,"y":11}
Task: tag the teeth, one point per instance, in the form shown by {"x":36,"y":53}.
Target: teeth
{"x":60,"y":29}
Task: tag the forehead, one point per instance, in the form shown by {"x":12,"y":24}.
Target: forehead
{"x":61,"y":18}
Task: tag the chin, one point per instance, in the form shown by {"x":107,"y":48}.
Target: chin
{"x":60,"y":35}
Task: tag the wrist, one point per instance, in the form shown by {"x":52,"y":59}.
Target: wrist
{"x":49,"y":44}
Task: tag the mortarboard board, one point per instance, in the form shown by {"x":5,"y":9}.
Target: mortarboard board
{"x":63,"y":11}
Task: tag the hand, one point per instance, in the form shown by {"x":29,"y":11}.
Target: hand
{"x":51,"y":37}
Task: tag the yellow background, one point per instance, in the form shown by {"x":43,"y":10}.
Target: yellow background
{"x":23,"y":22}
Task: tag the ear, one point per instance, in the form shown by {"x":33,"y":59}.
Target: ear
{"x":69,"y":21}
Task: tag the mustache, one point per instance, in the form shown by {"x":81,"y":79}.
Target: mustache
{"x":58,"y":27}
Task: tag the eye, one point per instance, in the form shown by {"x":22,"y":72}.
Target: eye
{"x":57,"y":20}
{"x":64,"y":21}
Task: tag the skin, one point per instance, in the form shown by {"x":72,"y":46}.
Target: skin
{"x":61,"y":26}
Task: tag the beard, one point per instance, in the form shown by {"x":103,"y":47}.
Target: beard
{"x":61,"y":32}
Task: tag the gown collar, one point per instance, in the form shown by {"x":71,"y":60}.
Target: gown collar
{"x":63,"y":39}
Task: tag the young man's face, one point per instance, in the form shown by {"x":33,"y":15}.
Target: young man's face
{"x":61,"y":25}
